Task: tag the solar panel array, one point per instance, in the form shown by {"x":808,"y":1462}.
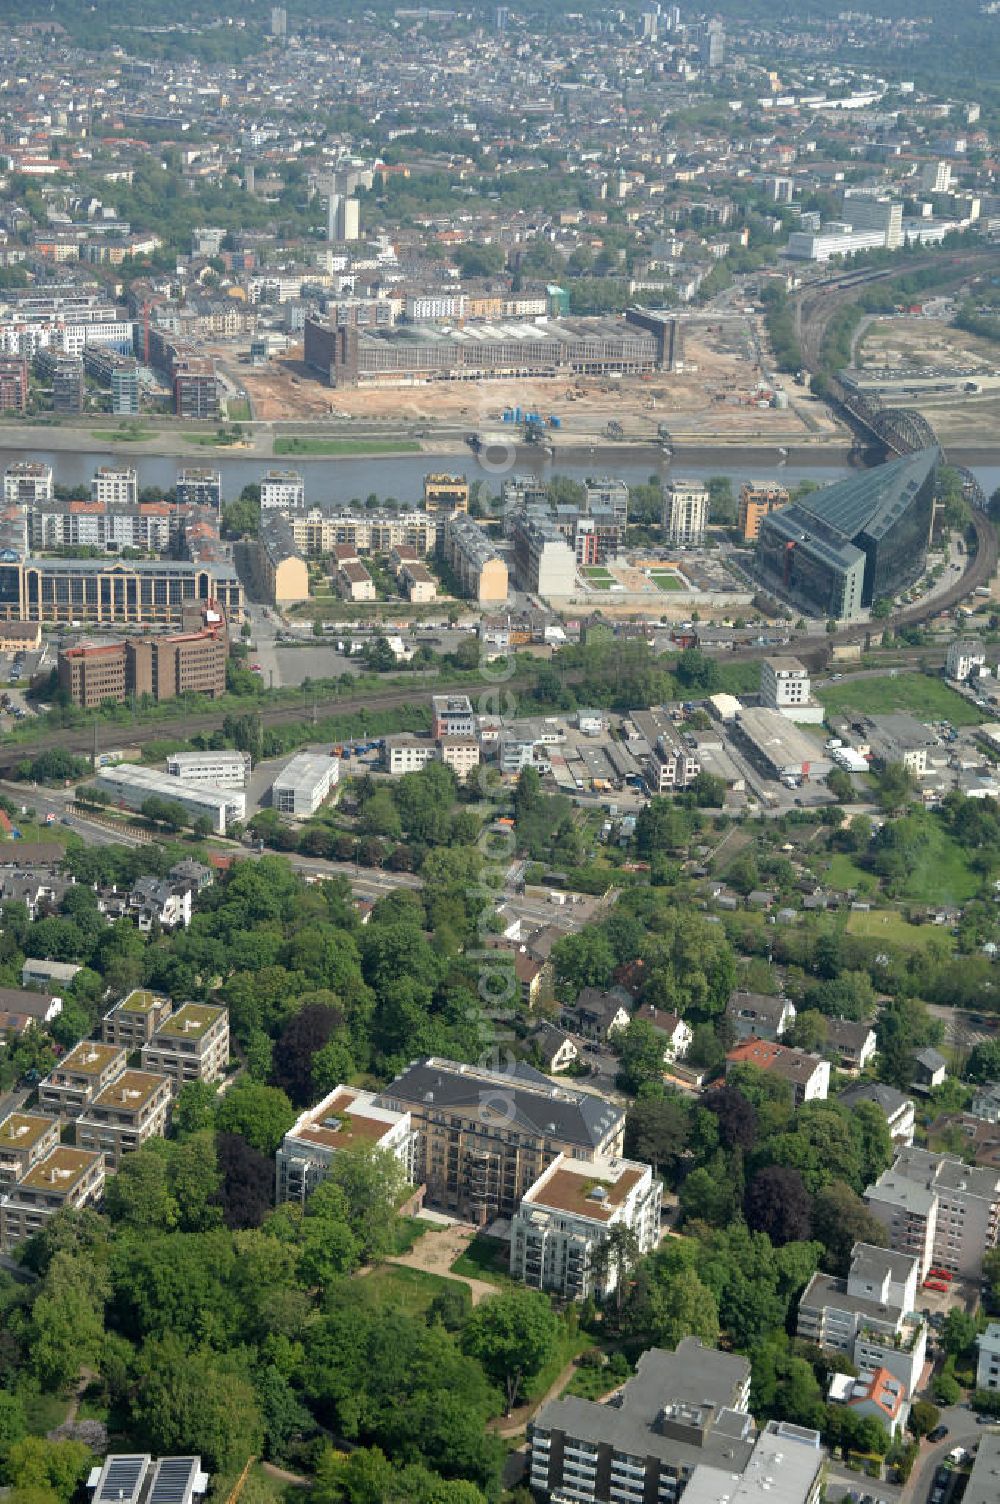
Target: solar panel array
{"x":173,"y":1480}
{"x":122,"y":1478}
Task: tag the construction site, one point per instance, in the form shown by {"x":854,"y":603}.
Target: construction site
{"x":718,"y":391}
{"x":924,"y":362}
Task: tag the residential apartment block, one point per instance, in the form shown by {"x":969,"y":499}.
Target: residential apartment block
{"x":317,"y":532}
{"x":479,"y":567}
{"x":191,"y":1045}
{"x":484,"y":1137}
{"x":65,"y":1177}
{"x":939,"y":1209}
{"x":445,"y":493}
{"x":871,"y":1315}
{"x":25,"y":1138}
{"x":83,"y":1072}
{"x":344,"y":1119}
{"x":565,"y":1218}
{"x":685,"y":512}
{"x":544,"y":562}
{"x":988,"y":1361}
{"x":135,"y":1107}
{"x":680,"y":1409}
{"x":134,"y":1019}
{"x":756,"y":503}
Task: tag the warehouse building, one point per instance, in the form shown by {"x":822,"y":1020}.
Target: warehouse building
{"x":839,"y":550}
{"x":304,"y":783}
{"x":777,"y":746}
{"x":130,"y":787}
{"x":226,"y":770}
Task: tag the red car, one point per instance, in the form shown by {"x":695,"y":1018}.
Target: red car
{"x":935,"y":1284}
{"x":941,"y":1274}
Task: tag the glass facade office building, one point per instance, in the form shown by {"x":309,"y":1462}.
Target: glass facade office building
{"x":841,"y":549}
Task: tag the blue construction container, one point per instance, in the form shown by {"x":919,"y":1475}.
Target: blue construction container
{"x":554,"y":422}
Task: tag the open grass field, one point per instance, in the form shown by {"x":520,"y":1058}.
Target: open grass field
{"x":292,"y":444}
{"x":666,"y":582}
{"x":596,"y":572}
{"x":844,"y":874}
{"x":485,"y":1258}
{"x":409,"y":1290}
{"x":921,"y":695}
{"x":893,"y":929}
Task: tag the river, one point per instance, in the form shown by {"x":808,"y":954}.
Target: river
{"x":401,"y":476}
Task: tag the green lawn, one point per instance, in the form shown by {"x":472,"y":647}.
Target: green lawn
{"x":238,"y":410}
{"x":409,"y":1230}
{"x":408,"y":1290}
{"x":923,"y":696}
{"x":571,"y":1345}
{"x":842,"y":873}
{"x":596,"y":572}
{"x":122,"y":435}
{"x":293,"y":444}
{"x":44,"y":1412}
{"x":601,"y":584}
{"x":212,"y":440}
{"x":485,"y":1258}
{"x":667,"y":582}
{"x":881,"y":924}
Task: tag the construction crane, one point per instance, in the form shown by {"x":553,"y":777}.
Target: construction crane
{"x":237,"y":1487}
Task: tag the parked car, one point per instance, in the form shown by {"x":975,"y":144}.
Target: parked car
{"x":938,"y":1434}
{"x":935,"y":1284}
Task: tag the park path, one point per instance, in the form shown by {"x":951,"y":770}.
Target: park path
{"x":437,"y":1250}
{"x":284,"y":1476}
{"x":514,"y":1423}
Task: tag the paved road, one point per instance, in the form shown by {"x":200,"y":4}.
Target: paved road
{"x":54,"y":801}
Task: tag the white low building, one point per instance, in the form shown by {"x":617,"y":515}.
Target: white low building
{"x":304,"y":783}
{"x":226,"y":770}
{"x":785,"y":686}
{"x":966,"y":656}
{"x":130,"y":787}
{"x":565,"y":1218}
{"x":871,"y":1315}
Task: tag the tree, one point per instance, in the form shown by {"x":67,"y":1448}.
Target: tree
{"x":13,"y":1423}
{"x":923,"y":1417}
{"x":839,"y":1220}
{"x":613,"y":1259}
{"x":140,"y":1195}
{"x":958,"y":1332}
{"x":984,"y":1061}
{"x":736,"y":1116}
{"x":196,"y":1402}
{"x":305,"y":1033}
{"x":57,"y":1467}
{"x":667,"y":1304}
{"x":584,"y":959}
{"x":513,"y":1336}
{"x":778,"y":1203}
{"x":372,"y":1182}
{"x":894,"y":787}
{"x":246,"y":1181}
{"x":839,"y":783}
{"x":640,"y":1055}
{"x":656,"y":1131}
{"x":67,"y":1320}
{"x":262,"y":1114}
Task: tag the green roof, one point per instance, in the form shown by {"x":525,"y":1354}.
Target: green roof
{"x":191,"y":1021}
{"x":141,"y":1001}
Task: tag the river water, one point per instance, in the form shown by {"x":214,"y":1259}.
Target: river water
{"x":401,"y":476}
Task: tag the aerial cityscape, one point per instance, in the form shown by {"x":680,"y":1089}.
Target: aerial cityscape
{"x":499,"y":754}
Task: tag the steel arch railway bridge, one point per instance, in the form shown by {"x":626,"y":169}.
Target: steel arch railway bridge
{"x":902,"y":430}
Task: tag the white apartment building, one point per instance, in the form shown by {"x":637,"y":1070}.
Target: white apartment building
{"x":115,"y":487}
{"x":935,"y":177}
{"x":966,"y":656}
{"x":27,"y":482}
{"x":226,"y":770}
{"x":460,"y":753}
{"x":871,"y":1315}
{"x":685,"y":512}
{"x":566,"y":1216}
{"x":544,"y":562}
{"x":406,"y":754}
{"x":785,"y":686}
{"x":344,"y":1119}
{"x":431,"y":308}
{"x":672,"y":764}
{"x":282,"y":491}
{"x":943,"y":1211}
{"x":988,"y":1363}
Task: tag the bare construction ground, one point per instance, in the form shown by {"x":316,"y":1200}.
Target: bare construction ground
{"x":720,"y":393}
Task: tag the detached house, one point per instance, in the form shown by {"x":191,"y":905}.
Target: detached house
{"x":676,"y":1034}
{"x":597,"y":1015}
{"x":758,"y":1016}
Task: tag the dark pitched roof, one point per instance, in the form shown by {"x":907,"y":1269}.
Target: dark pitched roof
{"x":530,"y":1099}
